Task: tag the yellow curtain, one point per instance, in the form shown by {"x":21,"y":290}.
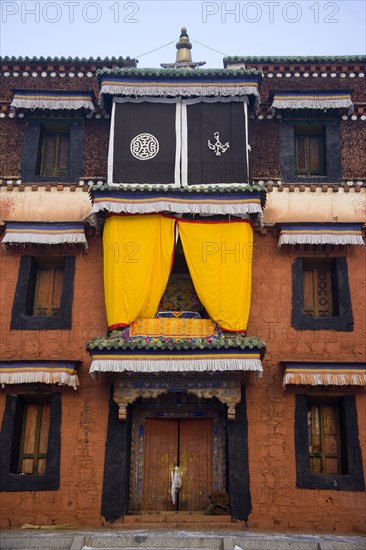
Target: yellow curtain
{"x":219,"y":258}
{"x":138,"y":255}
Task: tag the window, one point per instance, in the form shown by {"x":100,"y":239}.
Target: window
{"x":30,"y":443}
{"x":46,"y":298}
{"x":328,"y":454}
{"x":309,"y":147}
{"x":320,"y":294}
{"x":32,"y":440}
{"x":324,"y":439}
{"x":52,"y":150}
{"x":44,"y":293}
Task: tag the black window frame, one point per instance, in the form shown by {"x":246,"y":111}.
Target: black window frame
{"x":331,"y":146}
{"x":32,"y":143}
{"x":21,"y":319}
{"x":343,"y":321}
{"x":9,"y":438}
{"x":353,"y":480}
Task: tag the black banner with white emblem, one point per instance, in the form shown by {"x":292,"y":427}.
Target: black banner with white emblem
{"x":144,"y":143}
{"x":216,"y":143}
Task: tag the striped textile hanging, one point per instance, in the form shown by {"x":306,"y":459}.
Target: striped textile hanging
{"x":119,"y":202}
{"x":53,"y":100}
{"x":321,"y":233}
{"x":63,"y":373}
{"x":18,"y":233}
{"x":170,"y":360}
{"x":313,"y":100}
{"x":325,"y":374}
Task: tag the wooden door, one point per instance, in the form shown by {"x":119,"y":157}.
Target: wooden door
{"x":161,"y":452}
{"x":195,"y":450}
{"x":188,"y":443}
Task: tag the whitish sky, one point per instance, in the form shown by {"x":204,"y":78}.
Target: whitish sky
{"x":103,"y":28}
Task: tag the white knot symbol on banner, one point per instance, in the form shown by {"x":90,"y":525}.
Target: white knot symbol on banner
{"x":176,"y":477}
{"x":144,"y":146}
{"x":218,"y":147}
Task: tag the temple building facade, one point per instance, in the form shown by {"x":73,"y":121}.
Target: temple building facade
{"x":183,"y":293}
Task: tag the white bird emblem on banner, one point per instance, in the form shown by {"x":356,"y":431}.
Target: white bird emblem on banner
{"x":218,"y":147}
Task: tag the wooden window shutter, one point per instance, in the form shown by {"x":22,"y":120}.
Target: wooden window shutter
{"x":324,"y":438}
{"x":315,"y":154}
{"x":317,"y":280}
{"x":324,"y":291}
{"x":301,"y":155}
{"x":34,"y":437}
{"x":48,"y":161}
{"x":309,"y":148}
{"x":308,"y":278}
{"x":63,"y":154}
{"x":55,"y":153}
{"x":48,"y":290}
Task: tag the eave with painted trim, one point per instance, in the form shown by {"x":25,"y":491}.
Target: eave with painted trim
{"x":122,"y":354}
{"x":62,"y":373}
{"x":177,"y":83}
{"x":324,"y":374}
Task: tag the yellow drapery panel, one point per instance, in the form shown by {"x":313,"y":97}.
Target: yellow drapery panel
{"x":138,"y":253}
{"x":219,"y":258}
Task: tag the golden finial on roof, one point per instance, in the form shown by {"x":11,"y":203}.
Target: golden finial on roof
{"x":184,"y":47}
{"x":184,"y":57}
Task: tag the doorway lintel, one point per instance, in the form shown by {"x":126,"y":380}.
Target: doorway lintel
{"x":226,"y":389}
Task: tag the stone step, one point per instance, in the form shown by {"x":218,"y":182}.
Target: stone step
{"x":178,"y":517}
{"x":176,"y":539}
{"x":179,"y":525}
{"x":180,"y":520}
{"x":156,"y":540}
{"x":40,"y":541}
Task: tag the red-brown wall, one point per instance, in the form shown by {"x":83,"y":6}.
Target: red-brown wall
{"x":84,"y":411}
{"x":277,"y":503}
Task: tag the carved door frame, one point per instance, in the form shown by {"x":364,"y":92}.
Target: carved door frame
{"x":195,"y":408}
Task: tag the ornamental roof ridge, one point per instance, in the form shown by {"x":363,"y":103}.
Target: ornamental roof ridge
{"x":153,"y":188}
{"x":127,"y":61}
{"x":296,"y":59}
{"x":178,"y":73}
{"x":226,"y":341}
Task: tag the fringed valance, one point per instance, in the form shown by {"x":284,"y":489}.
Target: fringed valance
{"x":63,"y":373}
{"x":321,"y":233}
{"x":39,"y":99}
{"x":325,"y":374}
{"x":127,"y":86}
{"x":234,"y":204}
{"x":312,"y":100}
{"x":158,"y":361}
{"x":18,"y":233}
